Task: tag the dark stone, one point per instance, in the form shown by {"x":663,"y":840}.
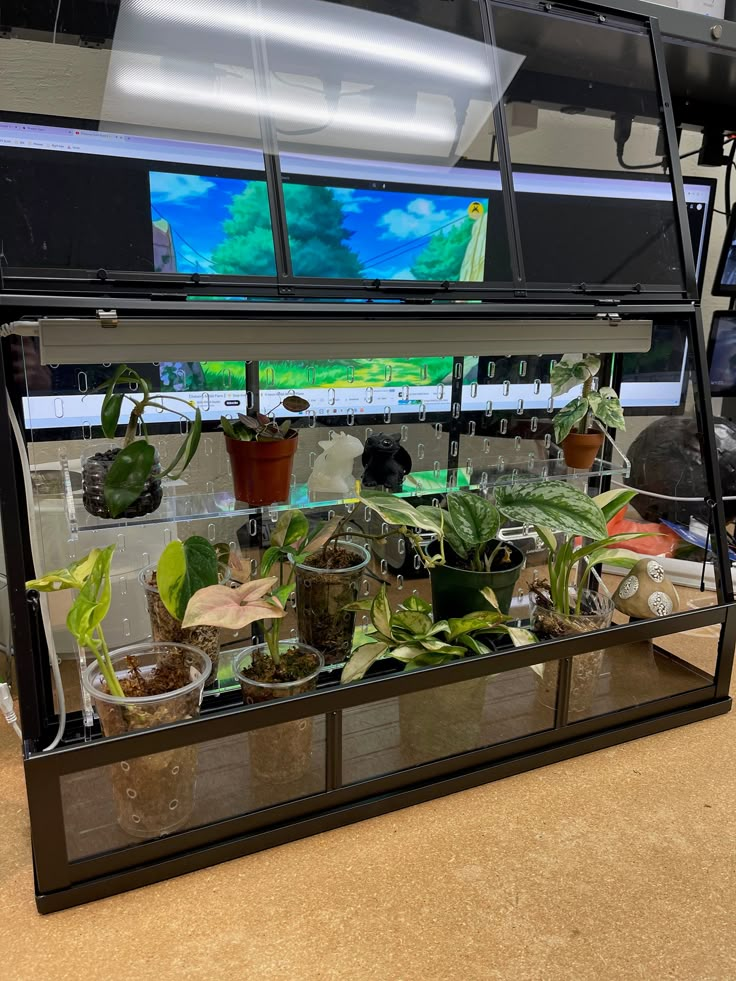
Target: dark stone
{"x":666,"y":459}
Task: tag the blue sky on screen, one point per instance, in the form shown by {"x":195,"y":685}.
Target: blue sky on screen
{"x":390,"y":228}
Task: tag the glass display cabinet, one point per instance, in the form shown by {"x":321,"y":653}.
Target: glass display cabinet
{"x":320,"y":291}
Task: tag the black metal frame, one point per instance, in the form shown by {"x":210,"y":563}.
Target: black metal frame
{"x":61,"y":883}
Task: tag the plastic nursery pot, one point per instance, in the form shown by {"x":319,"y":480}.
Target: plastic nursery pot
{"x":278,"y":753}
{"x":94,"y":473}
{"x":456,"y":591}
{"x":586,"y":668}
{"x":154,"y":794}
{"x":441,"y":721}
{"x":165,"y":627}
{"x":262,"y":471}
{"x":321,"y":595}
{"x":581,"y":449}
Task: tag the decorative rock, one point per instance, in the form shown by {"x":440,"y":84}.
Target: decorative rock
{"x":332,"y":475}
{"x":646,"y":592}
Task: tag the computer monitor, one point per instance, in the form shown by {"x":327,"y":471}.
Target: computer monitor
{"x":722,"y":355}
{"x":184,"y":208}
{"x":724,"y":283}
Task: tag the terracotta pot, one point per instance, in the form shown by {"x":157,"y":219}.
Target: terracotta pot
{"x":581,"y":449}
{"x":262,"y":471}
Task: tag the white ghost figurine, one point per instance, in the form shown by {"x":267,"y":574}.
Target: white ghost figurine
{"x":332,"y":475}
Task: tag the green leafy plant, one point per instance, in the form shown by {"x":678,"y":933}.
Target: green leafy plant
{"x":567,"y":555}
{"x":183,"y":569}
{"x":409,"y":634}
{"x":91,"y":577}
{"x":264,"y":428}
{"x":134,"y":463}
{"x":603,"y":405}
{"x":471,"y":523}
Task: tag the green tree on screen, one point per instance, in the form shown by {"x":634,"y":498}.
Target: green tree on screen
{"x":443,"y":256}
{"x":317,"y":233}
{"x":247,"y":249}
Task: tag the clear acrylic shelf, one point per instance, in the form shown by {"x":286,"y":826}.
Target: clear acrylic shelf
{"x":180,"y":503}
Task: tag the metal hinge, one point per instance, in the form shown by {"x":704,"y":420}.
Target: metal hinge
{"x":615,"y":317}
{"x":107,"y":318}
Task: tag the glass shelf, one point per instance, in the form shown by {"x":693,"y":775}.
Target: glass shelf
{"x":180,"y":503}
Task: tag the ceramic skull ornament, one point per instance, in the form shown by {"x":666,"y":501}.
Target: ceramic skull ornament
{"x":646,"y":592}
{"x":332,"y":475}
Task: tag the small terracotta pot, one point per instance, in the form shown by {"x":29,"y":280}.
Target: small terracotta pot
{"x":581,"y":449}
{"x":262,"y":471}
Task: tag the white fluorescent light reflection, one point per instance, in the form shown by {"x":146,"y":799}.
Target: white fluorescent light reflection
{"x":169,"y":89}
{"x":317,"y":25}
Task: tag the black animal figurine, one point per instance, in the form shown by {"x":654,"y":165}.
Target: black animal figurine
{"x":385,"y":462}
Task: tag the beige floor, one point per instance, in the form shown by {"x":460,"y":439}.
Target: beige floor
{"x":613,"y":866}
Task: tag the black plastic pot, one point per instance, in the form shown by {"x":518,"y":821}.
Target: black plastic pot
{"x":456,"y":591}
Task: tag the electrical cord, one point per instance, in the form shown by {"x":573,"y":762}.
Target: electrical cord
{"x":668,"y":497}
{"x":35,"y":554}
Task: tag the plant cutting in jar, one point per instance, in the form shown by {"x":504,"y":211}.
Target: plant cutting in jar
{"x":137,"y":687}
{"x":411,"y":635}
{"x":579,"y":442}
{"x":467,"y":555}
{"x":559,"y":609}
{"x":183,"y":569}
{"x":126,"y":482}
{"x":262,"y":451}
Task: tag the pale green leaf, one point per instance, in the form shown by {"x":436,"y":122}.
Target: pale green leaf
{"x":569,"y":416}
{"x":416,"y":603}
{"x":563,"y":378}
{"x":412,"y":622}
{"x":291,"y":527}
{"x":397,"y":511}
{"x":552,"y":504}
{"x":381,"y":612}
{"x":490,"y":597}
{"x":612,"y":501}
{"x":520,"y":636}
{"x":360,"y":661}
{"x":475,"y":519}
{"x":72,"y":577}
{"x":607,"y":410}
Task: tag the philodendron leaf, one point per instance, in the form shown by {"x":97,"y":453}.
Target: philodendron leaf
{"x":359,"y":606}
{"x":291,"y":527}
{"x":612,"y":501}
{"x":233,"y":609}
{"x":183,"y":569}
{"x":73,"y":576}
{"x":397,"y":511}
{"x":563,"y":377}
{"x":127,"y":476}
{"x":552,"y":504}
{"x":321,"y":535}
{"x":475,"y":519}
{"x":93,"y":602}
{"x":569,"y":416}
{"x":607,"y":408}
{"x":110,"y":414}
{"x":361,"y":660}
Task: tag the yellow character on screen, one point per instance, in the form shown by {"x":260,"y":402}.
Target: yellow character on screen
{"x":474,"y":260}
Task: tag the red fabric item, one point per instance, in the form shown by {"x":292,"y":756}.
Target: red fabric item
{"x":662,"y":541}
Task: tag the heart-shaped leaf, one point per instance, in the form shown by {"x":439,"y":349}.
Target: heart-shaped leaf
{"x":475,"y":519}
{"x":291,"y":527}
{"x":127,"y":476}
{"x":569,"y":416}
{"x":397,"y":510}
{"x":183,"y":569}
{"x":233,"y":609}
{"x":73,"y":576}
{"x":552,"y":504}
{"x":110,"y":414}
{"x":607,"y":409}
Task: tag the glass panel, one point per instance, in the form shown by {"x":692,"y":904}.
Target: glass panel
{"x":386,"y":736}
{"x":114,"y":807}
{"x":583,"y":111}
{"x":130,"y":140}
{"x":383,"y":113}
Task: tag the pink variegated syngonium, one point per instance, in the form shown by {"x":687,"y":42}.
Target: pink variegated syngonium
{"x":233,"y":609}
